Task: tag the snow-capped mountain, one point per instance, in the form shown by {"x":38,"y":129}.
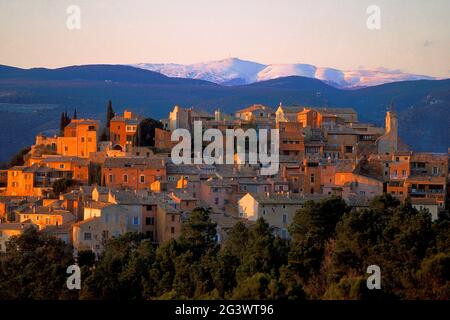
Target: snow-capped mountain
{"x":228,"y":71}
{"x":234,"y":71}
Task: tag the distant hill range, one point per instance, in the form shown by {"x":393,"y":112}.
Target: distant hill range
{"x":31,"y":100}
{"x":234,"y":71}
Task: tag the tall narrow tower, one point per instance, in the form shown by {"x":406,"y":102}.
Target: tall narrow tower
{"x":392,"y":129}
{"x":388,"y":143}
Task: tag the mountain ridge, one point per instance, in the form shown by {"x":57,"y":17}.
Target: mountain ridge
{"x":32,"y":102}
{"x":235,"y":71}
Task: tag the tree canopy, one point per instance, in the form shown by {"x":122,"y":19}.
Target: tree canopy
{"x":326,"y":257}
{"x":145,"y":132}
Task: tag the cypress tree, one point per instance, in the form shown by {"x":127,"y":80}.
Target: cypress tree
{"x":109,"y":114}
{"x":67,"y":119}
{"x":75,"y":114}
{"x":62,"y":123}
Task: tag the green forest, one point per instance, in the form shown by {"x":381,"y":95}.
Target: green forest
{"x":326,"y":257}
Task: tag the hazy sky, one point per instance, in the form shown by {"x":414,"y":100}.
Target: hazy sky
{"x":414,"y":35}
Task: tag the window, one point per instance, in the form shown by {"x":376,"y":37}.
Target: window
{"x":172,"y":230}
{"x":111,"y":178}
{"x":125,"y":178}
{"x":148,"y":208}
{"x":216,"y":201}
{"x":173,"y":218}
{"x":87,"y":236}
{"x":142,"y":178}
{"x":135,"y":221}
{"x":61,"y":166}
{"x":149,"y":221}
{"x":284,"y":217}
{"x":82,"y":139}
{"x":312,"y":177}
{"x":47,"y":220}
{"x":435,"y":171}
{"x":404,"y":173}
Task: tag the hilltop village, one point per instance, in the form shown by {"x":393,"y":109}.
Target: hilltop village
{"x":92,"y":182}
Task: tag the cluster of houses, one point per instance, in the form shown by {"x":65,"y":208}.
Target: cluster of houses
{"x":121,"y":187}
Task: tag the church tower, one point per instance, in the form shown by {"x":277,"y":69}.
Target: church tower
{"x":388,"y":143}
{"x":392,"y":129}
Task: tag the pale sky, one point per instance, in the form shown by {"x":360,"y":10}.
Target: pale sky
{"x":414,"y":35}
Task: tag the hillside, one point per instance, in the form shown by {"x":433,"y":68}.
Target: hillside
{"x":31,"y":100}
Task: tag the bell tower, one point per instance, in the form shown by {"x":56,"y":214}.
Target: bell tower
{"x":388,"y":143}
{"x":392,"y":129}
